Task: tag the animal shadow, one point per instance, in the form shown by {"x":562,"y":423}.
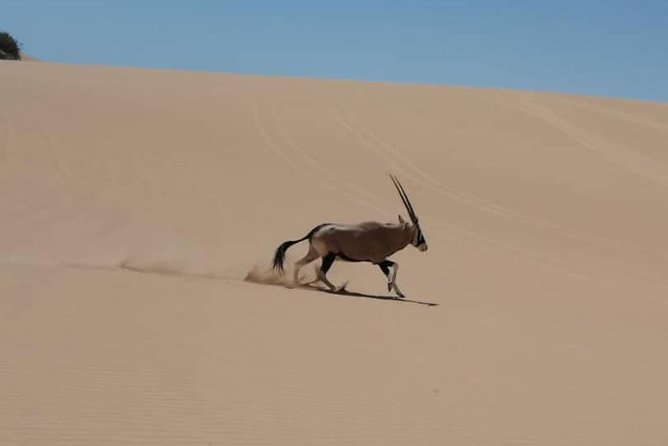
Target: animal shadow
{"x":346,"y":293}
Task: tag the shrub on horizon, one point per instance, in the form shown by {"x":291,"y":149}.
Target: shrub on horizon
{"x":10,"y":49}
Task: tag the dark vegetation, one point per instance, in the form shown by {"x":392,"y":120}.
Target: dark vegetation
{"x":10,"y":49}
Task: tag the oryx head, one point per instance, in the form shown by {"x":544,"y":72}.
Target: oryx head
{"x":417,"y":238}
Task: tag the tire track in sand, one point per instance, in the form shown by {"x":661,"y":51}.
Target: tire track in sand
{"x":303,"y":164}
{"x":642,"y":122}
{"x":323,"y":172}
{"x":616,"y":154}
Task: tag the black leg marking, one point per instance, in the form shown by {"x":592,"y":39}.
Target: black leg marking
{"x":385,"y":266}
{"x":327,"y":262}
{"x":324,"y":267}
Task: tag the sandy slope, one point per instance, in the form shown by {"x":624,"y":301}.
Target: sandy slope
{"x":134,"y":202}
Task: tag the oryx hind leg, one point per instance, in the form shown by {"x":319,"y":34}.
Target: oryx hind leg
{"x":308,"y":258}
{"x":327,"y":262}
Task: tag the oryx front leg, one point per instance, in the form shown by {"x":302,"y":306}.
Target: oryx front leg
{"x":395,"y":269}
{"x":390,"y":269}
{"x":385,"y":268}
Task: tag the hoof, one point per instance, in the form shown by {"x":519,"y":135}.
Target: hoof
{"x":341,"y":288}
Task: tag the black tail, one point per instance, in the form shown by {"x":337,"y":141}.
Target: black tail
{"x":279,"y":256}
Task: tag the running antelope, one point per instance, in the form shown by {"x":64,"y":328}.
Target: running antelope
{"x":369,"y":241}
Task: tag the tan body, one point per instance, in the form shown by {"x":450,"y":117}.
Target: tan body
{"x":364,"y":242}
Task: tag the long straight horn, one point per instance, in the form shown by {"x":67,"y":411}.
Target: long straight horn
{"x":404,"y":198}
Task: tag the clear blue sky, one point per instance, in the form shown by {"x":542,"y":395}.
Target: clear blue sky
{"x":611,"y":48}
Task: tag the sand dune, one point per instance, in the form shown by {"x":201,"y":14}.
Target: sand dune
{"x":135,"y":203}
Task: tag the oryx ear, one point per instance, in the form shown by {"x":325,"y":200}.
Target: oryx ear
{"x":401,"y":219}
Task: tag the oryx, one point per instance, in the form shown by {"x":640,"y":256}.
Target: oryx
{"x":369,"y":241}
